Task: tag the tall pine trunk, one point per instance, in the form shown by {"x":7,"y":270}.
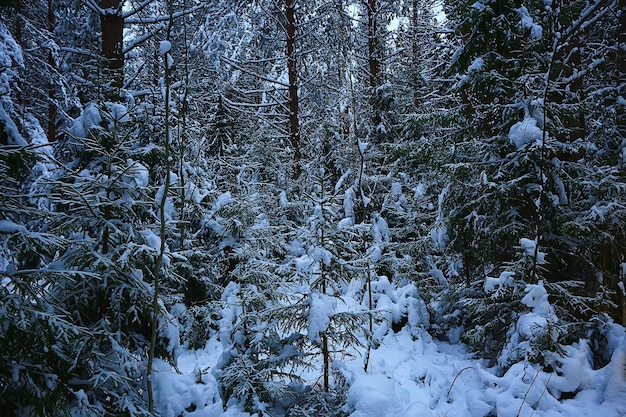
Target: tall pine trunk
{"x":112,"y":45}
{"x":294,"y":122}
{"x":372,"y":44}
{"x":52,"y":107}
{"x":621,"y":111}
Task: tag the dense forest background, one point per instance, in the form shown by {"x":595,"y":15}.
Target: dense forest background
{"x":176,"y":170}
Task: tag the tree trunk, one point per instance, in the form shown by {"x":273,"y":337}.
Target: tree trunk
{"x":414,"y":57}
{"x":570,"y":92}
{"x":294,"y":122}
{"x":52,"y":107}
{"x":112,"y":43}
{"x":620,"y":117}
{"x":18,"y":38}
{"x":372,"y":44}
{"x":621,"y":73}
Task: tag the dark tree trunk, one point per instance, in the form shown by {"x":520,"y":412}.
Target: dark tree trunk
{"x":414,"y":57}
{"x":294,"y":122}
{"x":621,"y":118}
{"x":568,"y":82}
{"x":112,"y":41}
{"x":18,"y":38}
{"x":576,"y":88}
{"x":621,"y":71}
{"x":372,"y":44}
{"x":52,"y":107}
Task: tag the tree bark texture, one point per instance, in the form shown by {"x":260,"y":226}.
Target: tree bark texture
{"x":294,"y":122}
{"x":112,"y":40}
{"x":621,"y":116}
{"x":372,"y":44}
{"x":415,"y":56}
{"x":52,"y":107}
{"x":621,"y":73}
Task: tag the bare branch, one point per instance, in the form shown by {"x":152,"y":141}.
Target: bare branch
{"x":137,"y":9}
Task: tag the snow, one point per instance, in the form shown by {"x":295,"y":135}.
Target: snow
{"x":90,"y":118}
{"x":348,"y":203}
{"x":14,"y":136}
{"x":341,"y":180}
{"x":282,"y":199}
{"x":615,"y":390}
{"x":164,"y":47}
{"x":411,"y":374}
{"x":439,"y":234}
{"x":530,"y":247}
{"x":10,"y":51}
{"x":345,"y":224}
{"x":525,"y":132}
{"x":363,"y":147}
{"x":419,"y":191}
{"x":152,"y":240}
{"x":477,"y":65}
{"x":504,"y":280}
{"x":223,"y":200}
{"x":140,"y":173}
{"x":563,"y":200}
{"x":321,"y":308}
{"x":303,"y":263}
{"x":38,"y":137}
{"x":7,"y":226}
{"x":537,"y":298}
{"x":320,"y":255}
{"x":261,"y":222}
{"x":536,"y":30}
{"x":380,"y":228}
{"x":119,"y":112}
{"x":374,"y":253}
{"x":373,"y":396}
{"x":478,"y":6}
{"x":81,"y":397}
{"x":176,"y":393}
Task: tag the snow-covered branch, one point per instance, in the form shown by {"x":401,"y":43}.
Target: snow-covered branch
{"x":137,"y":9}
{"x":163,"y":18}
{"x":252,"y":73}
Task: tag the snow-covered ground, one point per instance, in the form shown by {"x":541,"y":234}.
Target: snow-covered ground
{"x":412,"y":375}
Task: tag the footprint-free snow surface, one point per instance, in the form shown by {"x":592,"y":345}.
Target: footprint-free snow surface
{"x":412,"y":375}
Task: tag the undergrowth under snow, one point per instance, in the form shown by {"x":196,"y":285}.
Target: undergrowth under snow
{"x":410,"y":375}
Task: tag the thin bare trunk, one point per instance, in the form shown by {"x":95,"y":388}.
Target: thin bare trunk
{"x":326,"y":354}
{"x":415,"y":46}
{"x":183,"y":139}
{"x":370,"y":297}
{"x":576,"y":89}
{"x":621,"y":71}
{"x":19,"y":95}
{"x":52,"y":107}
{"x":325,"y":351}
{"x":621,"y":113}
{"x":158,"y":263}
{"x":294,"y":122}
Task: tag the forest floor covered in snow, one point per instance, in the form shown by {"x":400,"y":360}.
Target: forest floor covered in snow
{"x":412,"y":375}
